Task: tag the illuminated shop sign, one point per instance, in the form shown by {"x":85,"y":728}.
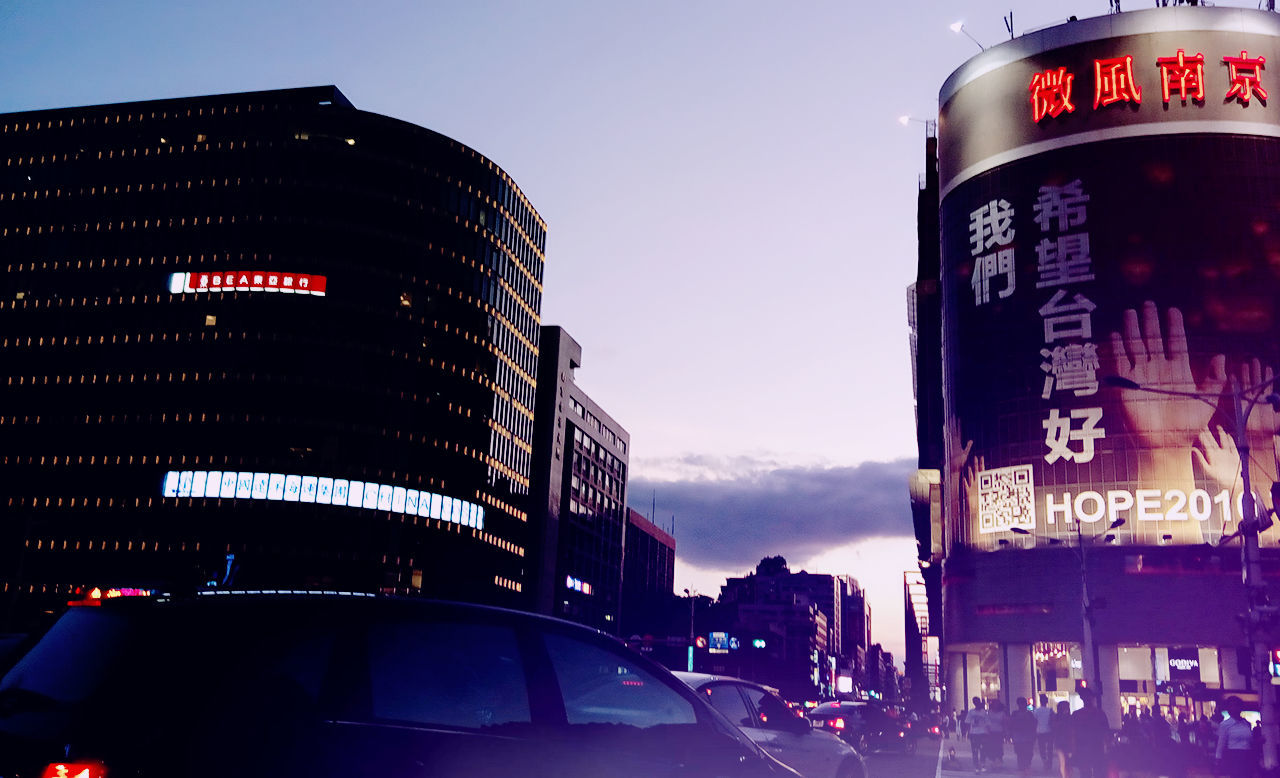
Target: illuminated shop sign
{"x":1184,"y":664}
{"x":322,"y":490}
{"x":248,"y":281}
{"x":1114,"y":82}
{"x":577,"y":584}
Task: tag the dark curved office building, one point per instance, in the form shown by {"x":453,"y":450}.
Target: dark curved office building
{"x":266,"y":335}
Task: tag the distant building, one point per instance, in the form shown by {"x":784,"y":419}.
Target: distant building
{"x":882,"y":675}
{"x":264,"y":334}
{"x":648,"y":576}
{"x":579,"y":493}
{"x":924,"y":315}
{"x":920,"y":663}
{"x":815,"y":627}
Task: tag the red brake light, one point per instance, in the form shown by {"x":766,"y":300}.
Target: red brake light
{"x":837,"y":723}
{"x":75,"y":770}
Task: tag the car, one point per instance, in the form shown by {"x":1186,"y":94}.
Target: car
{"x":327,"y":685}
{"x":864,"y":725}
{"x":780,"y":729}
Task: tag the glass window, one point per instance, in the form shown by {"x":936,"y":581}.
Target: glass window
{"x":451,"y":674}
{"x":601,"y":687}
{"x":773,"y":712}
{"x":726,"y":699}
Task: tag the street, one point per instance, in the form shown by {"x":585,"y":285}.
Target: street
{"x":894,"y":764}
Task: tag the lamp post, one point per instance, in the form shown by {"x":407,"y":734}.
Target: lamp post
{"x":691,"y":595}
{"x":958,"y":28}
{"x":1088,"y":652}
{"x":1261,"y":613}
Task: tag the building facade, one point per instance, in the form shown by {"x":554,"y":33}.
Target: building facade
{"x":266,"y":337}
{"x":1094,"y":348}
{"x":648,"y":576}
{"x":580,"y":493}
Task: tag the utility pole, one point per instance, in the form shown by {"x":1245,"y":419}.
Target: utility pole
{"x":1261,"y":614}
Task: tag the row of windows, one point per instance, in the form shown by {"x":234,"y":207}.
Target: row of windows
{"x":112,"y":191}
{"x":507,"y":583}
{"x":52,"y":544}
{"x":515,"y":351}
{"x":519,"y":481}
{"x":92,"y":120}
{"x":594,"y":423}
{"x":517,"y":311}
{"x":504,"y":506}
{"x":598,"y":452}
{"x":112,"y":226}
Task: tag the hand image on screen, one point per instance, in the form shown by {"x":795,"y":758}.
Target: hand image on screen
{"x":972,"y":465}
{"x":1143,"y":355}
{"x":1219,"y":460}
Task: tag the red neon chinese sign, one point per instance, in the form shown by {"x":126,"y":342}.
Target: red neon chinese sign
{"x":1113,"y":82}
{"x":1245,"y":74}
{"x":1051,"y":94}
{"x":1183,"y":73}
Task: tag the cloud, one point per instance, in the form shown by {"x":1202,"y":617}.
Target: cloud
{"x":729,"y":514}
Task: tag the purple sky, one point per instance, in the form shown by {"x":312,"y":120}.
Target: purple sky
{"x":730,"y":201}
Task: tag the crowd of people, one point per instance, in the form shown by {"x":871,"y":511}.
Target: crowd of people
{"x":1083,"y":744}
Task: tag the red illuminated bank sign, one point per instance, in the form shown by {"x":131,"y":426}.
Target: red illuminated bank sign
{"x":248,"y":281}
{"x":1106,"y":239}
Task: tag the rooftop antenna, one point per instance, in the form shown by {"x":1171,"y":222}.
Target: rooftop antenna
{"x":1008,"y":23}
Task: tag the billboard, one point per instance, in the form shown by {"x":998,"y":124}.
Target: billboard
{"x":1144,"y":249}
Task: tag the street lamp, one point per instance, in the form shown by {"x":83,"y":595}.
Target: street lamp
{"x":958,"y":28}
{"x":691,"y":595}
{"x":1087,"y":649}
{"x":1261,"y":613}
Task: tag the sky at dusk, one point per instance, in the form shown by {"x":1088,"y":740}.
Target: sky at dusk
{"x":730,"y":203}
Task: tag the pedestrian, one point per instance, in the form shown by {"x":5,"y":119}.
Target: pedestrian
{"x":1060,"y":731}
{"x":1022,"y":731}
{"x":997,"y":729}
{"x":979,"y":727}
{"x":963,"y":722}
{"x":1044,"y":734}
{"x":1234,"y":755}
{"x":1090,"y":731}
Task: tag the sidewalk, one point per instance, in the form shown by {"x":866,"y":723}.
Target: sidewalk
{"x":962,"y":763}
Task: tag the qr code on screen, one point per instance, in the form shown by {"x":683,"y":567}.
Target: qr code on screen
{"x":1006,"y":499}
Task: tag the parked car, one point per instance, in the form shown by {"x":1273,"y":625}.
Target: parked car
{"x":864,"y":725}
{"x":778,"y":727}
{"x":330,"y":686}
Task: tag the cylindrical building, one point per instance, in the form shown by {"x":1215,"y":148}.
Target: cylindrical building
{"x":264,"y":334}
{"x":1110,"y":214}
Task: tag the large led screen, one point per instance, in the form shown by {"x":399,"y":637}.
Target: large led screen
{"x":1155,"y":259}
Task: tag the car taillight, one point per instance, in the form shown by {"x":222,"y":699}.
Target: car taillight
{"x":935,"y":730}
{"x":75,"y":770}
{"x":837,"y":723}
